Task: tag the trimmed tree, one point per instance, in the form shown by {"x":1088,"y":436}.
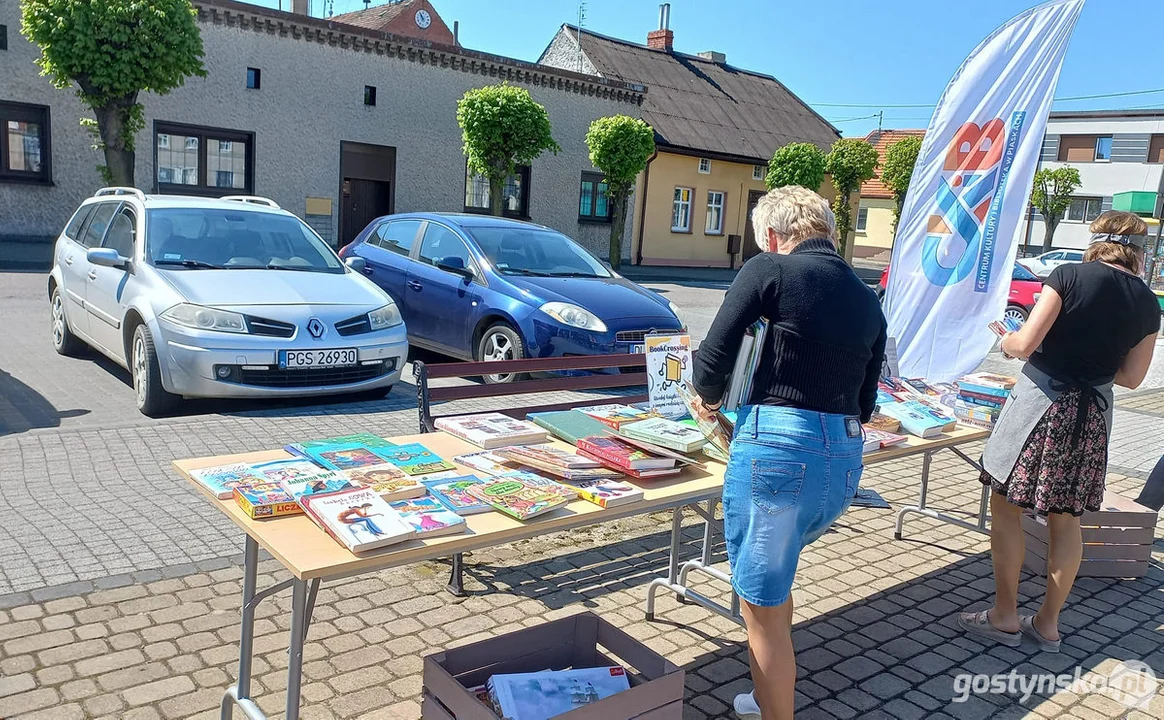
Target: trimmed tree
{"x":900,"y":157}
{"x":113,"y":51}
{"x":1051,"y":196}
{"x":620,"y":147}
{"x":850,"y":163}
{"x":502,"y":127}
{"x":797,"y":164}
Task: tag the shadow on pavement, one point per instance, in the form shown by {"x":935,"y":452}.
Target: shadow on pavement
{"x":23,"y":409}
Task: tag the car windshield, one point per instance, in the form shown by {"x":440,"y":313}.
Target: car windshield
{"x":220,"y":238}
{"x":533,"y":251}
{"x":1021,"y":273}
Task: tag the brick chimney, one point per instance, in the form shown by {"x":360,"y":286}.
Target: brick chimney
{"x":663,"y":38}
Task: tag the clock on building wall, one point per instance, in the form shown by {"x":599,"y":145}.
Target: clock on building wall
{"x":423,"y":19}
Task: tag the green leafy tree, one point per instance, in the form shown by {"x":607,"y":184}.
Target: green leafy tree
{"x":1051,"y":196}
{"x":850,"y":163}
{"x":620,"y":147}
{"x":797,"y":164}
{"x":502,"y":127}
{"x":900,"y":157}
{"x":112,"y":51}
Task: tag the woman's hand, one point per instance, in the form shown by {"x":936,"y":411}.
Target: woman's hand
{"x":705,"y":411}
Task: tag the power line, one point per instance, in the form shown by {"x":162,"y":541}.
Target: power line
{"x":1100,"y":96}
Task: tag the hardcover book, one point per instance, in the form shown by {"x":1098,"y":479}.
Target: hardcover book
{"x":666,"y":433}
{"x":223,"y":479}
{"x":881,"y":421}
{"x":517,"y":496}
{"x":358,"y":519}
{"x":346,"y":456}
{"x":568,"y":425}
{"x":547,"y":694}
{"x":547,"y":454}
{"x":491,"y":430}
{"x":974,"y":398}
{"x":655,"y":450}
{"x":387,"y":480}
{"x":454,"y":494}
{"x":614,"y":452}
{"x":879,"y":439}
{"x":265,"y":500}
{"x":916,"y":419}
{"x":299,"y":477}
{"x":416,"y":459}
{"x":937,"y":410}
{"x":365,"y":439}
{"x":615,"y":415}
{"x":605,"y":493}
{"x":428,"y":517}
{"x":487,"y":462}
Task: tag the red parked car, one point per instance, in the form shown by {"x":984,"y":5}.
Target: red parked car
{"x":1025,"y":287}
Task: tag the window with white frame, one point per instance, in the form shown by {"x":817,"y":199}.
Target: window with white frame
{"x":862,"y":219}
{"x":1083,"y":209}
{"x":681,"y":210}
{"x":705,"y":166}
{"x":714,"y":224}
{"x":759,"y":172}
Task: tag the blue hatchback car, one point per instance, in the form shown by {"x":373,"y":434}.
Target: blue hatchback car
{"x":478,"y":287}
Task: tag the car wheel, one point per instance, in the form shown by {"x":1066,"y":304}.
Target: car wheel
{"x":500,"y":342}
{"x":64,"y":341}
{"x":152,"y":399}
{"x":1016,"y":313}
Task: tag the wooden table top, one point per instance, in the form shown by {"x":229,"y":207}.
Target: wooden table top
{"x":308,"y":552}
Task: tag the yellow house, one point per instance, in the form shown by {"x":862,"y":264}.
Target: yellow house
{"x":715,"y":126}
{"x":874,"y":220}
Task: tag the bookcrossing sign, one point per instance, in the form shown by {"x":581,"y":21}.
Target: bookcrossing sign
{"x":668,"y":364}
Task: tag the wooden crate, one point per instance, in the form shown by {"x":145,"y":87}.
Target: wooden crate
{"x":1117,"y":540}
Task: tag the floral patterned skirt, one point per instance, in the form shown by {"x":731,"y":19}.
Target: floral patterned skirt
{"x":1063,"y":463}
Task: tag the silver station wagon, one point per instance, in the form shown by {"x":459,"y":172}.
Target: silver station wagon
{"x":229,"y":297}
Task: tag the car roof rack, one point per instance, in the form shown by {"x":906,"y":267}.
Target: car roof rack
{"x":253,"y":199}
{"x":120,"y":191}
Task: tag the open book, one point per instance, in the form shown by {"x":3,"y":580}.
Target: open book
{"x":718,"y":431}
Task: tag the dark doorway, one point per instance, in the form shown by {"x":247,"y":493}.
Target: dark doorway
{"x":751,"y":249}
{"x":367,"y":186}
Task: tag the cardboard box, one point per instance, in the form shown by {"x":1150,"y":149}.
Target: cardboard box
{"x":1117,"y":540}
{"x":656,"y":691}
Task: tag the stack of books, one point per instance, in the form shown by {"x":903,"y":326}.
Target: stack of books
{"x":569,"y":425}
{"x":550,"y":693}
{"x":980,"y":398}
{"x":491,"y":430}
{"x":739,"y":390}
{"x":626,"y":458}
{"x":615,"y":416}
{"x":880,"y":439}
{"x":666,"y":433}
{"x":921,"y":416}
{"x":557,"y":462}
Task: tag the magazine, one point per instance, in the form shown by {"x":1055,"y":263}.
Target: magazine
{"x":428,"y":517}
{"x":454,"y":494}
{"x":491,"y":430}
{"x":221,"y":480}
{"x":547,"y":694}
{"x":359,"y":519}
{"x":416,"y":459}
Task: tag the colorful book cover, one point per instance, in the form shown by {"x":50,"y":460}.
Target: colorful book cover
{"x":347,"y":456}
{"x":517,"y":496}
{"x":990,"y":380}
{"x":359,"y":519}
{"x":718,"y":432}
{"x":453,"y":493}
{"x":487,"y":462}
{"x":606,"y":493}
{"x":300,"y":476}
{"x":265,"y":500}
{"x":546,"y":454}
{"x":653,"y":449}
{"x":387,"y":480}
{"x":996,"y":401}
{"x":365,"y":439}
{"x":916,"y":419}
{"x":416,"y":459}
{"x":879,"y":439}
{"x":223,"y":479}
{"x":615,"y":415}
{"x":547,"y":694}
{"x":666,"y":433}
{"x":561,"y":473}
{"x":491,"y":430}
{"x":880,"y":421}
{"x":624,"y":456}
{"x":937,"y":410}
{"x":568,"y":425}
{"x":428,"y":517}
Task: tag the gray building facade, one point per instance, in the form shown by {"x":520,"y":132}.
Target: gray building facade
{"x":337,"y":124}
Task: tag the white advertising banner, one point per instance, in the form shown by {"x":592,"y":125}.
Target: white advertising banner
{"x":956,"y":239}
{"x":668,"y":364}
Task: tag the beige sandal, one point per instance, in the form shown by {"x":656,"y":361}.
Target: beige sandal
{"x":1027,"y":627}
{"x":979,"y":624}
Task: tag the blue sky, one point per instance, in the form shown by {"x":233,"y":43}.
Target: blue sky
{"x":869,"y":52}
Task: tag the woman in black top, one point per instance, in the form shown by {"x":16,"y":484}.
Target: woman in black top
{"x":1094,"y":325}
{"x":796,"y":455}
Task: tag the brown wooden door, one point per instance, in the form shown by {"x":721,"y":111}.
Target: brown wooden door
{"x":363,"y":201}
{"x":750,"y":248}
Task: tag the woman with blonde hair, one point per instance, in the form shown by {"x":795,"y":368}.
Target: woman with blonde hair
{"x":1094,"y":325}
{"x":796,"y":455}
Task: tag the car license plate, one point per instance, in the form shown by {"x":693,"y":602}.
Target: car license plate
{"x":305,"y":359}
{"x":637,"y":349}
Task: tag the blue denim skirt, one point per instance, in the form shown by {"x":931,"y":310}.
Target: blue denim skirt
{"x":791,"y":474}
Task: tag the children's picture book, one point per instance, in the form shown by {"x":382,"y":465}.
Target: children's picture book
{"x":346,"y":456}
{"x":605,"y":493}
{"x":665,"y":433}
{"x":453,"y":493}
{"x":547,"y":694}
{"x":223,"y":479}
{"x":569,"y":425}
{"x":265,"y":500}
{"x":615,"y":415}
{"x":359,"y":519}
{"x":916,"y":419}
{"x":428,"y":517}
{"x":564,"y":473}
{"x":387,"y":480}
{"x":491,"y":430}
{"x":487,"y":462}
{"x":299,"y":476}
{"x":364,"y":439}
{"x":416,"y":459}
{"x":518,"y":496}
{"x":653,"y":449}
{"x":547,"y":454}
{"x":617,"y":453}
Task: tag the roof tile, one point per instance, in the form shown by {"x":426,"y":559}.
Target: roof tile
{"x":881,"y":140}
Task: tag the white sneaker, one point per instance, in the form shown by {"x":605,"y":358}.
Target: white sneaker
{"x":746,"y":707}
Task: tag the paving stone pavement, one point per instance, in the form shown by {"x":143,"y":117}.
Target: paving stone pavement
{"x":874,"y":625}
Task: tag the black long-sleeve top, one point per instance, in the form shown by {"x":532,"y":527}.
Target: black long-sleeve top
{"x":826,"y":334}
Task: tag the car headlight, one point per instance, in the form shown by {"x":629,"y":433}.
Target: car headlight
{"x":385,"y":317}
{"x":676,"y":313}
{"x":574,"y":316}
{"x":200,"y":317}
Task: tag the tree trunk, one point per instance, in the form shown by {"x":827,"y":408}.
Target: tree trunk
{"x":496,"y":199}
{"x":1049,"y":224}
{"x":617,"y":225}
{"x":119,"y":158}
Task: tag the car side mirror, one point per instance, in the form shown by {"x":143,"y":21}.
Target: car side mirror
{"x":356,"y":263}
{"x":106,"y":257}
{"x":455,"y":265}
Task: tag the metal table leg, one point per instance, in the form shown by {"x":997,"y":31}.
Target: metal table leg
{"x":672,"y":563}
{"x":299,"y":620}
{"x":922,"y":509}
{"x":456,"y":584}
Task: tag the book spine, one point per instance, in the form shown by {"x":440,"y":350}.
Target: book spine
{"x":974,"y":398}
{"x":660,"y":441}
{"x":986,"y":390}
{"x":601,"y":455}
